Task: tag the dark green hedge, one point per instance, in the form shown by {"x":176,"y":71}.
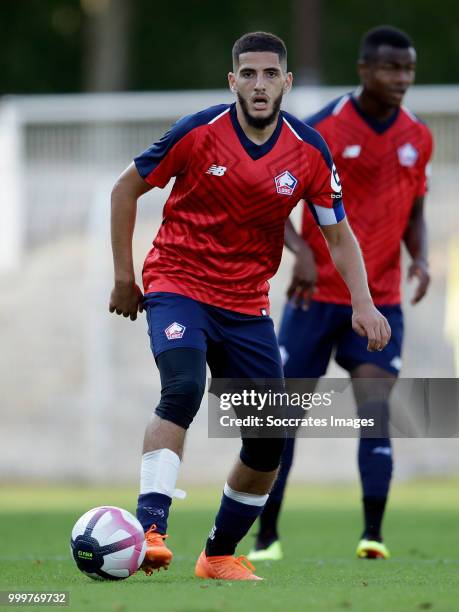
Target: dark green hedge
{"x":177,"y":44}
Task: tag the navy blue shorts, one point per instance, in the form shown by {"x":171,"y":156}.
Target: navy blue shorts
{"x":307,"y":339}
{"x":236,"y":345}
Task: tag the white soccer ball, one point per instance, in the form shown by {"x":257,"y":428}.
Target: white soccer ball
{"x":108,"y":543}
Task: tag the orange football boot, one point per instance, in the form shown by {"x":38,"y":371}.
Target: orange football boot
{"x":225,"y":567}
{"x":157,"y":555}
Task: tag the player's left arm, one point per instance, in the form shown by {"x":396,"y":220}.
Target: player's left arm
{"x":345,"y":251}
{"x":304,"y":274}
{"x":415,"y":236}
{"x":415,"y":239}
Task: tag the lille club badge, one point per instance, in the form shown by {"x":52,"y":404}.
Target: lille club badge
{"x":285,"y":183}
{"x":175,"y":331}
{"x":407,"y":155}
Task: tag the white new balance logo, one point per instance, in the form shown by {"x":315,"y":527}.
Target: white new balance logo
{"x":216,"y":170}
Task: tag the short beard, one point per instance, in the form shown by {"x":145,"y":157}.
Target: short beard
{"x":260,"y":123}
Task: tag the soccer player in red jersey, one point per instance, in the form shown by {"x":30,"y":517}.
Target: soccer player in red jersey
{"x":239,"y":169}
{"x":382,"y":153}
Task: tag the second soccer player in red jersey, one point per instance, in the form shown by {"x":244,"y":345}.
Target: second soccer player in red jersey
{"x":382,"y":153}
{"x":239,"y":169}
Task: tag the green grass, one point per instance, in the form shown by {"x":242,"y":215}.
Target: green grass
{"x":320,"y":526}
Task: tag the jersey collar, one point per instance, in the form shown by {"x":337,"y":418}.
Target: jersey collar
{"x":252,"y":149}
{"x":378,"y":126}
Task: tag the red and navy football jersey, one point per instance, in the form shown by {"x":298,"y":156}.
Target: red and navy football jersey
{"x":383,"y":168}
{"x":222,"y":233}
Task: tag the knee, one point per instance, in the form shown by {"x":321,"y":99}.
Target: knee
{"x":180,"y":400}
{"x":262,"y":454}
{"x":184,"y":388}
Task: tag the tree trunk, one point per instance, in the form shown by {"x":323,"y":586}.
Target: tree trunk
{"x":306,"y":36}
{"x":107,"y":44}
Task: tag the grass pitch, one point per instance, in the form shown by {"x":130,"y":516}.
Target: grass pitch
{"x":320,"y":528}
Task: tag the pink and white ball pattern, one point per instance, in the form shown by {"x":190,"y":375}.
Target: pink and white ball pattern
{"x":115,"y":536}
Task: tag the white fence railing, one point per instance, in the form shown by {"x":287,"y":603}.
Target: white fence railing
{"x":54,"y":148}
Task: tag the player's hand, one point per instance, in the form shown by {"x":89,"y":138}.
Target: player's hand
{"x":304,"y":277}
{"x":368,"y":322}
{"x":126,"y":299}
{"x":419,"y":269}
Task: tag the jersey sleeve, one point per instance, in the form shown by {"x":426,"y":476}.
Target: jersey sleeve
{"x":323,"y":194}
{"x":168,"y":157}
{"x":425,"y":165}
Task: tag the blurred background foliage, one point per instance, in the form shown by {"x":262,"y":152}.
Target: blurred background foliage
{"x":51,"y":46}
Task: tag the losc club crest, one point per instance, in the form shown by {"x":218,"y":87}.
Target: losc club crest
{"x":407,"y":155}
{"x":175,"y":331}
{"x":285,"y":183}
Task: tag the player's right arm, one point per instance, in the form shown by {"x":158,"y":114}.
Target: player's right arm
{"x":126,"y":296}
{"x":155,"y":167}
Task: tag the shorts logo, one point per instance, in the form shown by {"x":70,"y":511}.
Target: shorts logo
{"x":396,"y":363}
{"x":175,"y":331}
{"x":216,"y":170}
{"x":407,"y":155}
{"x":285,"y":183}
